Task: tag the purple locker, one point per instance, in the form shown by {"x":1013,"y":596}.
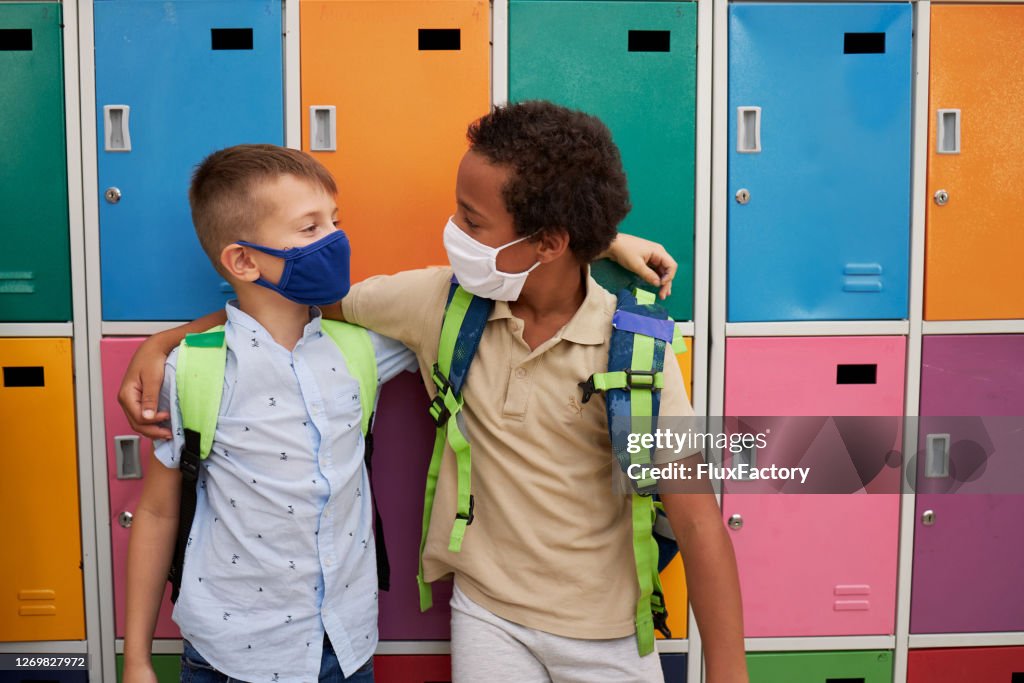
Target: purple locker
{"x":403,"y":439}
{"x":969,"y":551}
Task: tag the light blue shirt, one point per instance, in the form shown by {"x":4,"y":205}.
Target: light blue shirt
{"x":282,"y":543}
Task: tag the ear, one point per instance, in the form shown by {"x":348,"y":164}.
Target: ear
{"x":552,"y":244}
{"x":238,"y":262}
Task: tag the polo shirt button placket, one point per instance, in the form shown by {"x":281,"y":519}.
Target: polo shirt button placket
{"x":521,"y":373}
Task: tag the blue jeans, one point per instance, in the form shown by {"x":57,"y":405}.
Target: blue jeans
{"x":195,"y":669}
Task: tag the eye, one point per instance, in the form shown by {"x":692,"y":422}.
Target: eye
{"x":470,"y":224}
{"x":336,"y":223}
{"x":309,"y":228}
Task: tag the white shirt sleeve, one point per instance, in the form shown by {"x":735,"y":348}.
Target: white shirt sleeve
{"x":167,"y":452}
{"x":392,"y":357}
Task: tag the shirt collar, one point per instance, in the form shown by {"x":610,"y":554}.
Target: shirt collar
{"x":590,"y":325}
{"x":239,"y":318}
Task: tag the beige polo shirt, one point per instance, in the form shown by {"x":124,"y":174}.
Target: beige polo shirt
{"x":550,"y":546}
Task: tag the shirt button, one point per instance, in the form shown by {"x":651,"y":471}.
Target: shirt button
{"x":520,"y":373}
{"x":327,"y":563}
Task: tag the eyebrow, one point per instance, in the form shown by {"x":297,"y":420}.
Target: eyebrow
{"x":467,"y":207}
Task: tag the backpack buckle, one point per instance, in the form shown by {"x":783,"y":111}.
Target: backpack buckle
{"x":439,"y":412}
{"x":588,"y":388}
{"x":647,"y":380}
{"x":661,"y":622}
{"x":469,"y":517}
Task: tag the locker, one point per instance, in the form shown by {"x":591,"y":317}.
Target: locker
{"x":819,"y":161}
{"x":673,"y":577}
{"x":821,"y":667}
{"x":967,"y":560}
{"x":822,"y":564}
{"x":632,"y":64}
{"x":412,"y":668}
{"x":39,"y":523}
{"x":976,"y":158}
{"x":403,"y":437}
{"x":35,"y":262}
{"x":128,"y":457}
{"x":388,"y":90}
{"x":673,"y":667}
{"x":175,"y":81}
{"x":166,"y":667}
{"x":989,"y":664}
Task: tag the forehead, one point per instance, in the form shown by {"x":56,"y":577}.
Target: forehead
{"x":479,"y":179}
{"x":287,"y":193}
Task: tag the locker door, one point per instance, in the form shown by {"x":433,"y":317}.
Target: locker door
{"x":128,"y":457}
{"x":390,"y":88}
{"x":819,"y":161}
{"x":204,"y":74}
{"x":821,"y":667}
{"x":632,"y":64}
{"x":412,"y":668}
{"x":39,"y":523}
{"x":966,"y":575}
{"x":989,"y":664}
{"x":822,"y":564}
{"x":673,"y":667}
{"x":402,"y":443}
{"x":35,"y":265}
{"x":973,"y":241}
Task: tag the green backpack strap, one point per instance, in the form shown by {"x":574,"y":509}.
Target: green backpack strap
{"x":357,"y":348}
{"x":199,"y":376}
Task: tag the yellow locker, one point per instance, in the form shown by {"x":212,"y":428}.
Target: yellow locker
{"x":41,"y":578}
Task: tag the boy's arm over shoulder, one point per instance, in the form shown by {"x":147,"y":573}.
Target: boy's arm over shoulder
{"x":399,"y":306}
{"x":392,"y":356}
{"x":167,"y":451}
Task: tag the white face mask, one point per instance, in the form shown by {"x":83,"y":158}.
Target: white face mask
{"x":476,"y":268}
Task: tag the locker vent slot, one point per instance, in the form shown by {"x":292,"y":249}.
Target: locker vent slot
{"x":440,"y":39}
{"x":864,"y":43}
{"x":25,"y":376}
{"x":15,"y":39}
{"x":857,"y":374}
{"x":1017,"y":677}
{"x":650,"y":41}
{"x":844,"y":680}
{"x":230,"y":38}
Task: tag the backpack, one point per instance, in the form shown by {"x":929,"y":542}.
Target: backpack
{"x":641,"y":329}
{"x":200,"y":380}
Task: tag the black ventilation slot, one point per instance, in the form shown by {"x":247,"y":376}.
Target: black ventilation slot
{"x":650,"y":41}
{"x":24,"y":376}
{"x":864,"y":43}
{"x":856,"y":374}
{"x":844,"y":680}
{"x":1017,"y":677}
{"x":15,"y":39}
{"x":440,"y":39}
{"x":231,"y":38}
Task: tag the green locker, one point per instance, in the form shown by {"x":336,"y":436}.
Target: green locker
{"x":166,"y":667}
{"x":35,"y":263}
{"x":870,"y":666}
{"x":634,"y":65}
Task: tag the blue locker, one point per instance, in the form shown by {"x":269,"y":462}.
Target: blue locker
{"x":175,"y":81}
{"x":819,"y":161}
{"x":673,"y":667}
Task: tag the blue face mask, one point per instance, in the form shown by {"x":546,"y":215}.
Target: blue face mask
{"x":314,"y":275}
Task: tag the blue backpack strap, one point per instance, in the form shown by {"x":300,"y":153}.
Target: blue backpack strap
{"x":465,"y":317}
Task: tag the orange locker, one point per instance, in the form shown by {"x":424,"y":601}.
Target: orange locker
{"x":388,"y":90}
{"x":673,"y":577}
{"x":39,"y":520}
{"x":975,"y":164}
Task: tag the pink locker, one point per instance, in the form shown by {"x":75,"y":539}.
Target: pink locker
{"x":128,"y":456}
{"x":818,"y":564}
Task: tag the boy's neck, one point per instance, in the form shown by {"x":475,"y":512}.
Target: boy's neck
{"x":283,"y":319}
{"x":549,"y":300}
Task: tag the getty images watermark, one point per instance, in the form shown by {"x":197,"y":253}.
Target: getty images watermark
{"x":821,"y":454}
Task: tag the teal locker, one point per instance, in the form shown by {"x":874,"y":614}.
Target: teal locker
{"x":633,"y":65}
{"x":35,"y":262}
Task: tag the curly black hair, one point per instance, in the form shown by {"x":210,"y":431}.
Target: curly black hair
{"x":566,"y":172}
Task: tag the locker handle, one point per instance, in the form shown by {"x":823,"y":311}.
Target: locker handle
{"x":126,"y":453}
{"x":936,"y":461}
{"x":748,"y":130}
{"x":15,"y":40}
{"x":746,"y":456}
{"x":116,"y":131}
{"x":948,"y":132}
{"x":323,"y":123}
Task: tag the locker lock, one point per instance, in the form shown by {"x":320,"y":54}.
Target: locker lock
{"x":736,"y":522}
{"x":941,"y":197}
{"x":112,"y":195}
{"x":928,"y":517}
{"x":125,"y":519}
{"x":743,"y":196}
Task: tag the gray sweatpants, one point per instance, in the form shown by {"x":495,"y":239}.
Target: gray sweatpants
{"x":487,"y":648}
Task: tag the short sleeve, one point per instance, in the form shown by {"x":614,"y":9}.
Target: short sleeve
{"x":397,"y":306}
{"x":167,"y":451}
{"x":392,"y":357}
{"x":674,"y":403}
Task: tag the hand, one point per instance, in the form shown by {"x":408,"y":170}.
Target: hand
{"x":139,"y":672}
{"x":140,"y":389}
{"x":647,"y":259}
